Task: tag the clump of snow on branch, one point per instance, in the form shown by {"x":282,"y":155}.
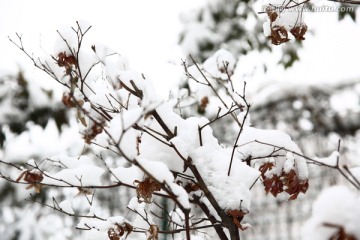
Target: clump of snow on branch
{"x":332,"y":160}
{"x":214,"y":162}
{"x":220,"y":64}
{"x":162,"y":174}
{"x":259,"y":143}
{"x":336,"y":211}
{"x":86,"y":175}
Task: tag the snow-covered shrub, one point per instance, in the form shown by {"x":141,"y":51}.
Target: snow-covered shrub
{"x":140,"y":149}
{"x":135,"y":140}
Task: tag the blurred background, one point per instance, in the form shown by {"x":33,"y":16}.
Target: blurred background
{"x":310,"y":89}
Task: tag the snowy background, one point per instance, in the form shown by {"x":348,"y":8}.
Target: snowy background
{"x":147,"y":33}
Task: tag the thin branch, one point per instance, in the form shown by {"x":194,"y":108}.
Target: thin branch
{"x":57,"y":208}
{"x":315,"y":161}
{"x":241,"y":129}
{"x":218,"y":117}
{"x":208,"y":82}
{"x":352,"y":176}
{"x":45,"y":68}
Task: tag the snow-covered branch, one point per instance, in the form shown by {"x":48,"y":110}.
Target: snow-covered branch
{"x":140,"y":147}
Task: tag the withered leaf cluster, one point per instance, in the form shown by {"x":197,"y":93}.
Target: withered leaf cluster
{"x":95,"y":130}
{"x":66,"y":61}
{"x":69,"y":101}
{"x":279,"y":34}
{"x":33,"y":177}
{"x":119,"y":231}
{"x":145,"y":189}
{"x":288,"y":182}
{"x":299,"y":31}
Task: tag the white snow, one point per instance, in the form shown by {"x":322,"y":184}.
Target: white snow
{"x":101,"y":225}
{"x":213,"y":163}
{"x":332,"y":160}
{"x":86,"y":175}
{"x":216,"y":65}
{"x":178,"y":217}
{"x":277,"y":140}
{"x":336,"y":205}
{"x":127,"y":174}
{"x":162,"y":174}
{"x":266,"y":29}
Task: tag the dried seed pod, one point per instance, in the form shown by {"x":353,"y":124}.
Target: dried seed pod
{"x":299,"y":31}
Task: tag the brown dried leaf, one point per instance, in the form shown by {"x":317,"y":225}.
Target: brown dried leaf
{"x":146,"y":188}
{"x":237,"y":217}
{"x":265,"y":167}
{"x":153,"y":232}
{"x":204,"y":102}
{"x":340,"y":234}
{"x":84,"y":191}
{"x":113,"y":235}
{"x":121,"y":229}
{"x":272,"y":15}
{"x":278,"y":35}
{"x":125,"y":227}
{"x":191,"y":187}
{"x":273,"y":185}
{"x":66,"y":61}
{"x":288,"y":182}
{"x":299,"y":31}
{"x":68,"y":101}
{"x":95,"y":130}
{"x":295,"y":185}
{"x":33,"y":177}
